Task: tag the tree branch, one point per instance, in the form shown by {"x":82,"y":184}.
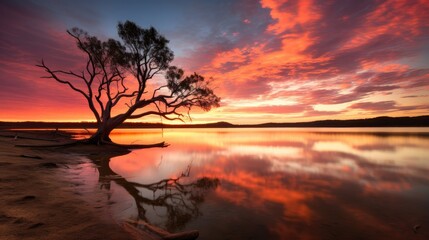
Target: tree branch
{"x":54,"y":76}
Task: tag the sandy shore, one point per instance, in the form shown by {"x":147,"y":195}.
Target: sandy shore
{"x":39,"y":200}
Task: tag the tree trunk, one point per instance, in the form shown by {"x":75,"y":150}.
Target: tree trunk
{"x":101,"y":136}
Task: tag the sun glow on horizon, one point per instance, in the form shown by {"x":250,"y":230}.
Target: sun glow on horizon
{"x":270,"y":61}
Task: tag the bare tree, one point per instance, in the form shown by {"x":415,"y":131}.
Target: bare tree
{"x":105,"y":84}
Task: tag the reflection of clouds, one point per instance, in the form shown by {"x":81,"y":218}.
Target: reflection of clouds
{"x":297,"y":173}
{"x":255,"y":191}
{"x":376,"y":147}
{"x":353,"y":157}
{"x":380,"y":153}
{"x":332,"y":146}
{"x":265,"y":151}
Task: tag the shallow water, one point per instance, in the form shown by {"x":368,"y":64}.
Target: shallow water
{"x":277,"y":183}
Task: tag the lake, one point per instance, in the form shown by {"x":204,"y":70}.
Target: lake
{"x":354,"y":183}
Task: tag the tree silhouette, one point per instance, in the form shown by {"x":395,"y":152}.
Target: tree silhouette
{"x":105,"y":83}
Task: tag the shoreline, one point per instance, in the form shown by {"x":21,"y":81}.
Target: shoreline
{"x":41,"y":199}
{"x":375,"y":122}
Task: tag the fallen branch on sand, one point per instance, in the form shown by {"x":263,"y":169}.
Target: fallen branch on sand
{"x":16,"y":136}
{"x":139,"y":146}
{"x":83,"y":142}
{"x":47,"y":145}
{"x":135,"y":226}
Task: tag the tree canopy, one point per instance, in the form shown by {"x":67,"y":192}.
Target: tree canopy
{"x":118,"y":71}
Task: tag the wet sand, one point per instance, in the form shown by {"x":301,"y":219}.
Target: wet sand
{"x":39,"y":200}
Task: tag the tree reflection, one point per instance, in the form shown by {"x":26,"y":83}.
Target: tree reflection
{"x":179,"y":198}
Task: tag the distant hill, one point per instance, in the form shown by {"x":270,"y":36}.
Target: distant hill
{"x":419,"y":121}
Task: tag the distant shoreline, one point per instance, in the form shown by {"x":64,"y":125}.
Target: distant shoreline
{"x":418,"y":121}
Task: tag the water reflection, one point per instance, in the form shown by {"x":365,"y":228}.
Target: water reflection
{"x":177,"y":197}
{"x":280,"y":184}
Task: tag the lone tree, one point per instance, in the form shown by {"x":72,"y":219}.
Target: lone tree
{"x":104,"y":82}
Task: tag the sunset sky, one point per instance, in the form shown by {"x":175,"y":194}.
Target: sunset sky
{"x":270,"y":60}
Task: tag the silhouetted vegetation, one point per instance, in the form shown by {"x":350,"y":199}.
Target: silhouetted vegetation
{"x":143,"y":53}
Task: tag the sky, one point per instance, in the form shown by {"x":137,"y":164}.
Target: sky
{"x":269,"y":60}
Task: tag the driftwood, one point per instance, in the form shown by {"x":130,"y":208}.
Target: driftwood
{"x":139,"y":146}
{"x":47,"y":145}
{"x":71,"y":143}
{"x":137,"y":233}
{"x":159,"y":232}
{"x":31,"y":138}
{"x":189,"y":235}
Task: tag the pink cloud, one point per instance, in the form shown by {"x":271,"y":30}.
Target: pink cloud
{"x":386,"y":106}
{"x":289,"y":14}
{"x":283,"y":109}
{"x":302,"y":51}
{"x":375,"y":106}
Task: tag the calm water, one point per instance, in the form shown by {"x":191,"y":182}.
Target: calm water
{"x":276,"y":183}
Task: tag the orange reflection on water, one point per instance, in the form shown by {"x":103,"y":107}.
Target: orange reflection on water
{"x":284,"y":184}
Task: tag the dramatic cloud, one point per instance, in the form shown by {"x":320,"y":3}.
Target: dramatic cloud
{"x":295,"y":60}
{"x":375,"y":106}
{"x":385,"y":106}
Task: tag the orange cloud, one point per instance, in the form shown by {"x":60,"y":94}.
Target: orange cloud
{"x":398,"y":18}
{"x":288,"y":15}
{"x":296,"y":52}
